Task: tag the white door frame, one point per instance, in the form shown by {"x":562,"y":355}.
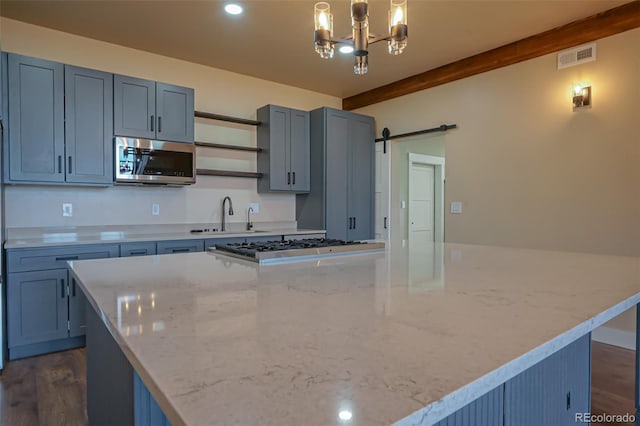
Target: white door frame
{"x":438,"y":217}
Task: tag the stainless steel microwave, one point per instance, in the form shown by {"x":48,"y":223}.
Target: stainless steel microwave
{"x":154,"y":162}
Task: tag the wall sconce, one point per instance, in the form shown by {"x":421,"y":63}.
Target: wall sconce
{"x":581,"y":96}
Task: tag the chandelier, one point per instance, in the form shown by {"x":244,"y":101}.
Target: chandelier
{"x":360,"y":39}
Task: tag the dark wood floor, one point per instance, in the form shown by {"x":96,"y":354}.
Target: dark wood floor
{"x":45,"y":390}
{"x":50,"y":389}
{"x":612,"y":380}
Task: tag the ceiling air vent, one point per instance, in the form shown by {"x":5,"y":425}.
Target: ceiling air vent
{"x":577,"y":55}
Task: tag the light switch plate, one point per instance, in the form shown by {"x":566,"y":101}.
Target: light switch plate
{"x":403,"y":204}
{"x":456,"y":207}
{"x":255,"y":207}
{"x":155,"y":209}
{"x":67,"y":209}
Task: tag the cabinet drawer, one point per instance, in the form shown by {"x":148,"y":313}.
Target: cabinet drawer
{"x":137,"y":249}
{"x":303,"y":236}
{"x":180,"y":246}
{"x":211,"y":242}
{"x":38,"y":259}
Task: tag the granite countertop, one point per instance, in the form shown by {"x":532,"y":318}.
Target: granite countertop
{"x":409,"y":335}
{"x":61,"y":236}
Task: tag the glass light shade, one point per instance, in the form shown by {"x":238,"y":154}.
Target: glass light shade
{"x":398,"y":28}
{"x":359,"y":13}
{"x":361,"y":65}
{"x":397,"y":12}
{"x":324,"y":30}
{"x":323,"y":17}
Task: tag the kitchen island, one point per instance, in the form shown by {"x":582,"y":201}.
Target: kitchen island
{"x":410,"y":336}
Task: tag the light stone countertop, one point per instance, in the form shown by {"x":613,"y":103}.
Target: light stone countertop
{"x":409,"y":335}
{"x":66,"y":236}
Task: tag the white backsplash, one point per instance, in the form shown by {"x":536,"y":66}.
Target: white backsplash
{"x":41,"y":206}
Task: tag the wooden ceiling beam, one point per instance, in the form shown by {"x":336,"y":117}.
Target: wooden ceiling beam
{"x":613,"y":21}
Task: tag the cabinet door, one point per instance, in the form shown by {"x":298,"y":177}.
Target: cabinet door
{"x":137,"y":249}
{"x":36,"y":120}
{"x":174,"y":106}
{"x":299,"y":152}
{"x":88,"y":125}
{"x":552,"y":391}
{"x":36,"y":306}
{"x":134,"y":107}
{"x":279,"y":142}
{"x":337,"y":141}
{"x":361,"y":184}
{"x":77,"y":310}
{"x":181,"y":246}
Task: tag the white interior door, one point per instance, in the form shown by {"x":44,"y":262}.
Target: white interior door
{"x":421,"y":202}
{"x":382,"y":204}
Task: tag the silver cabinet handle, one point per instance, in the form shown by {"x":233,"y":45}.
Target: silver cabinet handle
{"x":151,"y":123}
{"x":70,"y":169}
{"x":159,"y":124}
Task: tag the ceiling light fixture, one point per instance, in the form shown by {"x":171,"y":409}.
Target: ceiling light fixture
{"x":346,"y":49}
{"x":233,"y":9}
{"x":360,"y":39}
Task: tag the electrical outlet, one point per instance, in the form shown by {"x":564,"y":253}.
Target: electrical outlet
{"x":67,"y":209}
{"x":456,"y":207}
{"x":255,"y":207}
{"x":155,"y":209}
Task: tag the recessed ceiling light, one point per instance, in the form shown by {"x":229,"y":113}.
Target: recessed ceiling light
{"x":233,"y":9}
{"x":346,"y":49}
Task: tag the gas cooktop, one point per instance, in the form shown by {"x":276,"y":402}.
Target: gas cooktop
{"x":270,"y":251}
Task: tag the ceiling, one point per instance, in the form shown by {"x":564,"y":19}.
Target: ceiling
{"x":273,"y":40}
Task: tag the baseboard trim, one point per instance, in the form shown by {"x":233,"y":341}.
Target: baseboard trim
{"x":615,"y":337}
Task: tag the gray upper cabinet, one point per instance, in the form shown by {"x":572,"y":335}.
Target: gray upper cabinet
{"x":60,"y":129}
{"x":36,"y":120}
{"x":150,"y":110}
{"x":342,"y":176}
{"x":284,"y":140}
{"x":88,"y":125}
{"x":174,"y":105}
{"x":134,"y":107}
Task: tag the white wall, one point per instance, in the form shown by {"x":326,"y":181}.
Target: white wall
{"x":528,"y":170}
{"x":216,"y":91}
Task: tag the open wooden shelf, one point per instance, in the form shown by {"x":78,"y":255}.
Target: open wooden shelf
{"x":224,"y":146}
{"x":211,"y":116}
{"x":210,"y":172}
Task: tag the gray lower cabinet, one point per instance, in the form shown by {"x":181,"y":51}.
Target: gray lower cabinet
{"x":554,"y":390}
{"x":180,"y":246}
{"x":60,"y":123}
{"x":341,"y":200}
{"x":37,"y":307}
{"x":77,"y":310}
{"x":284,"y":159}
{"x":551,"y":392}
{"x":150,"y":110}
{"x":45,"y":309}
{"x":137,"y":249}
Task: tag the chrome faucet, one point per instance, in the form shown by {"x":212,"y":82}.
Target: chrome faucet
{"x":223,"y":228}
{"x":249,"y":224}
